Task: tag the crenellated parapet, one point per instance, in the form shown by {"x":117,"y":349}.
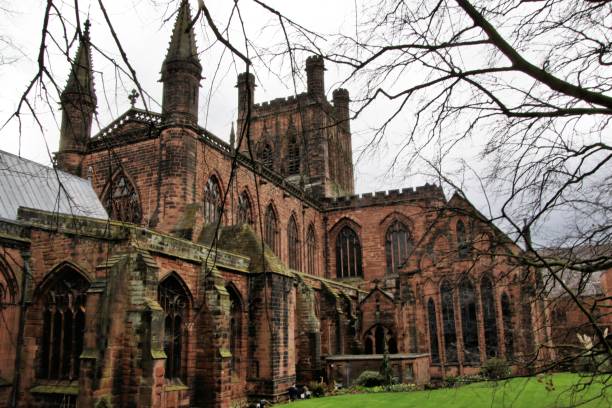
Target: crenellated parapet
{"x":425,"y":192}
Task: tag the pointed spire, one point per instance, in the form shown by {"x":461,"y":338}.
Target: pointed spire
{"x":182,"y":43}
{"x":80,"y":80}
{"x":232,"y":138}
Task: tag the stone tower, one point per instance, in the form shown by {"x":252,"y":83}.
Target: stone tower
{"x":181,"y":73}
{"x":304,"y":137}
{"x":78,"y":104}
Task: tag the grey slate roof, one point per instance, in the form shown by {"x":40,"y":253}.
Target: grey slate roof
{"x":24,"y":183}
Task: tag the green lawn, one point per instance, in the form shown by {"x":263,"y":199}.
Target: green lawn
{"x":568,"y":391}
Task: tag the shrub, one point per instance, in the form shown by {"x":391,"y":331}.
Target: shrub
{"x":370,"y":379}
{"x":495,"y":369}
{"x":317,"y":388}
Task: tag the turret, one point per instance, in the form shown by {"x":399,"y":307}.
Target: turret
{"x":315,"y":76}
{"x":181,"y":73}
{"x":341,"y":108}
{"x":78,"y":104}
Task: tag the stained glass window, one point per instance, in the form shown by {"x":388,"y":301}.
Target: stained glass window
{"x":212,"y":201}
{"x":175,"y":301}
{"x":348,"y":254}
{"x":293,"y":240}
{"x":63,"y":326}
{"x":433,"y":331}
{"x":469,"y":325}
{"x":397,"y":246}
{"x":448,"y":322}
{"x":311,"y":250}
{"x":508,"y":330}
{"x":271,"y":229}
{"x":244,"y":209}
{"x":489,"y":316}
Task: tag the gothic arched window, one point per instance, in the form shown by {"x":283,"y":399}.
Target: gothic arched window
{"x":212,"y":201}
{"x":265,"y":156}
{"x":448,"y":322}
{"x":507,"y":321}
{"x":293,"y":158}
{"x":63,"y":325}
{"x":469,"y":325}
{"x":235,"y":328}
{"x":433,"y":331}
{"x":348,"y":254}
{"x":271,"y":230}
{"x":489,"y":316}
{"x":174,"y":300}
{"x":463,"y":247}
{"x":121,"y":200}
{"x":293,"y":245}
{"x":311,"y":251}
{"x":244,"y":209}
{"x":398,"y":244}
{"x":526,"y":319}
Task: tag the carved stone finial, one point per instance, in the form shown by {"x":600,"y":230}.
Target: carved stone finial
{"x":133,"y":97}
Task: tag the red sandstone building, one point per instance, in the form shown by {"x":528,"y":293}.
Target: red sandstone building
{"x":228,"y":272}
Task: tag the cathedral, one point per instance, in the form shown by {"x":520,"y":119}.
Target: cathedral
{"x":158,"y":266}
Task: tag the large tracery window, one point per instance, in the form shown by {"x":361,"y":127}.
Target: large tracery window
{"x":398,"y":244}
{"x":174,"y":300}
{"x":507,"y":321}
{"x":121,"y":200}
{"x":271,"y":229}
{"x":212,"y":201}
{"x":63,"y":326}
{"x":489,"y":316}
{"x":293,"y":241}
{"x":469,"y":325}
{"x":311,"y":250}
{"x":245,"y":214}
{"x":265,"y":155}
{"x":448,"y":323}
{"x":293,"y":158}
{"x":348,"y":254}
{"x":433,"y":331}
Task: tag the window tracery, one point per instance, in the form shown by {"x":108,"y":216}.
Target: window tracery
{"x":469,"y":323}
{"x":293,"y":240}
{"x":265,"y":156}
{"x":63,"y":326}
{"x":174,"y":301}
{"x":212,"y":201}
{"x":311,"y":250}
{"x":348,"y":254}
{"x":398,"y":244}
{"x":433,"y":331}
{"x":271,"y":229}
{"x":244,"y":209}
{"x":448,"y":322}
{"x":489,"y":316}
{"x":121,"y":200}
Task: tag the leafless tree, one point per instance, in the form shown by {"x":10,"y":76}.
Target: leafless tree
{"x":528,"y":81}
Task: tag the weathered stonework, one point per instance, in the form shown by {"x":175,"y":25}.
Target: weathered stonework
{"x":236,"y":323}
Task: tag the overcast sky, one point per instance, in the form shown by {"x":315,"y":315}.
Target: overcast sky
{"x":144,"y":28}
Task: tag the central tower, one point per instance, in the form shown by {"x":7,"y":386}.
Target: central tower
{"x":305,"y":138}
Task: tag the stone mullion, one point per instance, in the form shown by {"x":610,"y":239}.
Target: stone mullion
{"x":458,"y":327}
{"x":482,"y":341}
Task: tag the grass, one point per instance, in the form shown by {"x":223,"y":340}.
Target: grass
{"x":568,"y":390}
